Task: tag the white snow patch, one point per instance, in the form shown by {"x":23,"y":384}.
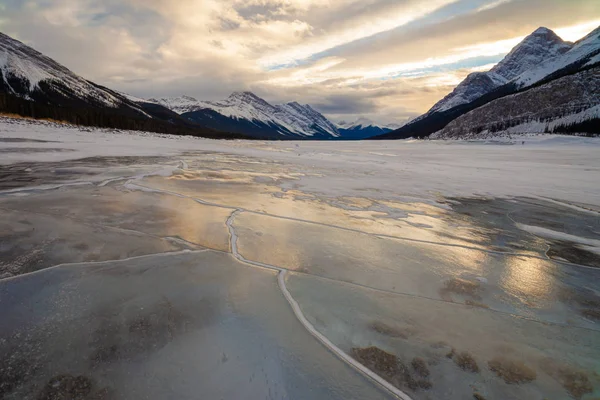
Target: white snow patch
{"x":550,"y":234}
{"x":594,"y":60}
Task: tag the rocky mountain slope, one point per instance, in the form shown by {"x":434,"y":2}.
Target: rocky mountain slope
{"x":541,"y":58}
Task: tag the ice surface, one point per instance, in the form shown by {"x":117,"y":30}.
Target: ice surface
{"x":554,"y":166}
{"x":33,"y":240}
{"x":409,"y":327}
{"x":242,"y":269}
{"x":154,"y":215}
{"x":157,"y":327}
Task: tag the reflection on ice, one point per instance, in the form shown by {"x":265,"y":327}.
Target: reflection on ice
{"x":520,"y":285}
{"x":550,"y":228}
{"x":234,"y":189}
{"x":529,"y":279}
{"x":151,"y":213}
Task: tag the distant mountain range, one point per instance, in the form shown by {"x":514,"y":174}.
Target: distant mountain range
{"x":246,"y":113}
{"x":363,"y":128}
{"x":543,"y":85}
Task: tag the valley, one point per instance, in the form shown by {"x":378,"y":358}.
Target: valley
{"x":299,"y":268}
{"x":299,"y":200}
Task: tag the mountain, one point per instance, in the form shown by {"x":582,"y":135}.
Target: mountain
{"x":246,"y":113}
{"x":540,"y":58}
{"x":33,"y":76}
{"x":361,"y":129}
{"x":585,"y":52}
{"x":34,"y":85}
{"x":179,"y":105}
{"x":561,"y":105}
{"x":360,"y":122}
{"x":306,"y":119}
{"x":534,"y":49}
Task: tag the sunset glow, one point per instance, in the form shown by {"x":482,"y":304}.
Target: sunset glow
{"x":389,"y":60}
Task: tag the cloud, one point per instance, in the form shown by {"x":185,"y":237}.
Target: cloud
{"x":385,"y":59}
{"x":343,"y":104}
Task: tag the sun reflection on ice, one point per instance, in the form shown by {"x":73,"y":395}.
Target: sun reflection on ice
{"x":531,"y":280}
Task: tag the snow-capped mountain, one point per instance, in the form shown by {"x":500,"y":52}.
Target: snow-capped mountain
{"x":567,"y":104}
{"x":539,"y":59}
{"x":307,"y":119}
{"x":541,"y":45}
{"x":559,"y":94}
{"x":584,"y":52}
{"x":179,"y":105}
{"x":362,"y":128}
{"x":31,"y":75}
{"x":247,"y":113}
{"x":359,"y":123}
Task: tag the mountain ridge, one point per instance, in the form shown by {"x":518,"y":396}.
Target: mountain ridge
{"x":579,"y":56}
{"x":540,"y":45}
{"x":248,"y":113}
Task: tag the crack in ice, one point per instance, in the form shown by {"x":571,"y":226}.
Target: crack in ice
{"x":302,"y":318}
{"x":233,"y":245}
{"x":86,"y":263}
{"x":332,"y":347}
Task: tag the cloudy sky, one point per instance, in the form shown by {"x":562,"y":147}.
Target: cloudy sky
{"x":387,"y":60}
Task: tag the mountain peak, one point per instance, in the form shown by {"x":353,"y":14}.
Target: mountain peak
{"x":539,"y":46}
{"x":534,"y":49}
{"x":247,"y":97}
{"x":244,"y":95}
{"x":542,"y":30}
{"x":544,"y":36}
{"x":361,"y":122}
{"x":362,"y":128}
{"x":188,"y":98}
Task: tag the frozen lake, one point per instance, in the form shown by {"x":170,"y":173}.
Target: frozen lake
{"x":137,"y":266}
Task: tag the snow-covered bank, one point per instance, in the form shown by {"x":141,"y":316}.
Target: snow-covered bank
{"x":565,"y":168}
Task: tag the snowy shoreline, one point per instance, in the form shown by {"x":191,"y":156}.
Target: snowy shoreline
{"x":558,"y":167}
